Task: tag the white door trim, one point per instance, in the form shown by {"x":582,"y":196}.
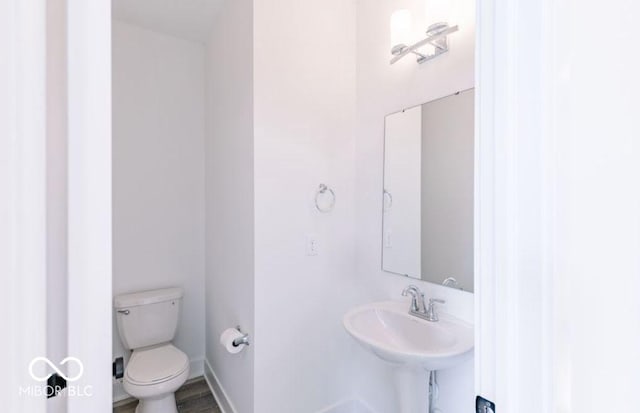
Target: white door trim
{"x":89,"y":213}
{"x":23,"y":188}
{"x":558,"y":207}
{"x":514,"y":205}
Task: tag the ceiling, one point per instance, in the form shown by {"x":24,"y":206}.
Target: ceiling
{"x":190,"y":19}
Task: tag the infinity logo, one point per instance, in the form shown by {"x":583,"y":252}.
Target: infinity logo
{"x":54,"y":367}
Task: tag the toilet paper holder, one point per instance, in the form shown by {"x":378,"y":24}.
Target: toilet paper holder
{"x":241,"y":340}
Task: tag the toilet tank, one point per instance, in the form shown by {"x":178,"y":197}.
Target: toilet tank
{"x":146,"y":318}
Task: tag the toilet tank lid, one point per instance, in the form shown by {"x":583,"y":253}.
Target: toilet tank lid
{"x":147,"y":297}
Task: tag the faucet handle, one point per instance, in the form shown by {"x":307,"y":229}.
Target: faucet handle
{"x":431,"y":311}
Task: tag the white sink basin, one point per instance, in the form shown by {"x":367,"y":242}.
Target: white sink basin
{"x":391,"y":333}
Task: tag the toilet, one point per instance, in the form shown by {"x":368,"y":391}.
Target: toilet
{"x":147,"y":322}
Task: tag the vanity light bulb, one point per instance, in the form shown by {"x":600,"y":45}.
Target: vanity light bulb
{"x":401,"y":26}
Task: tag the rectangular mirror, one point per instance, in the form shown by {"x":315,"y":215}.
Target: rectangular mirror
{"x":428,"y":191}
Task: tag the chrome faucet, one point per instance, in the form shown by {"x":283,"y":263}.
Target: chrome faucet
{"x":416,"y":294}
{"x":418,"y":307}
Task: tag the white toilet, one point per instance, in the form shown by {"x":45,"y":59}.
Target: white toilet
{"x":147,"y":322}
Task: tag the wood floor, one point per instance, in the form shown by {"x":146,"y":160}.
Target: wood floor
{"x":193,"y":397}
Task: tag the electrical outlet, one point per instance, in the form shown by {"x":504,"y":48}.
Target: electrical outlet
{"x":312,"y":245}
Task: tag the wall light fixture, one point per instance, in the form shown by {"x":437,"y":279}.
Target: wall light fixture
{"x":435,"y":44}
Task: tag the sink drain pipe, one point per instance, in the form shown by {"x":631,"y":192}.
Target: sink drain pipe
{"x":433,"y":392}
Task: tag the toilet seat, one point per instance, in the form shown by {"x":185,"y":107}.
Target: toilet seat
{"x":155,"y":365}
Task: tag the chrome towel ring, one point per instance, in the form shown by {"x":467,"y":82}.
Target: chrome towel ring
{"x":325,"y":192}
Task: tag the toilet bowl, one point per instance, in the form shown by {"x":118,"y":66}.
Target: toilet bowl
{"x":147,"y":322}
{"x":153,"y":375}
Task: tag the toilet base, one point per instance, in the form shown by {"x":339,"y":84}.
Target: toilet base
{"x":166,"y":404}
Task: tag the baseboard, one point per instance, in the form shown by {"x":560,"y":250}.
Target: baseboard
{"x":196,"y":367}
{"x":118,"y":392}
{"x":129,"y":399}
{"x":216,"y":388}
{"x":348,"y":406}
{"x":122,"y":402}
{"x":344,"y":406}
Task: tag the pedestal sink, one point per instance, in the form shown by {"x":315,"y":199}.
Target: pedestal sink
{"x":414,"y":346}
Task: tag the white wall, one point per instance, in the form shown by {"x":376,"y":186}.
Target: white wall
{"x":229,"y":194}
{"x":594,"y":129}
{"x":158,"y":174}
{"x":383,"y":89}
{"x":306,"y":131}
{"x":304,"y":135}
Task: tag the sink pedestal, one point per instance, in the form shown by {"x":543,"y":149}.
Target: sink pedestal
{"x":412,"y":389}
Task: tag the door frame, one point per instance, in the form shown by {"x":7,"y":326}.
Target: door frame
{"x":557,"y":206}
{"x":89,"y":191}
{"x":515,"y":201}
{"x":23,"y":186}
{"x":27,"y":124}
